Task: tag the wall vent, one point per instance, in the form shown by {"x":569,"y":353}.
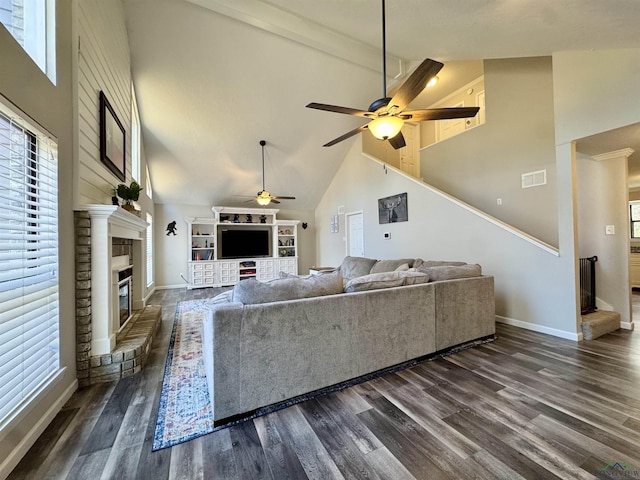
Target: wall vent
{"x":534,"y":179}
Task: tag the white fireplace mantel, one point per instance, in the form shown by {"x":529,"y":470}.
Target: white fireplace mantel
{"x":108,"y":222}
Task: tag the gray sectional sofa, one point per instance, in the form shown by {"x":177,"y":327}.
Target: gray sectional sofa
{"x":259,"y":353}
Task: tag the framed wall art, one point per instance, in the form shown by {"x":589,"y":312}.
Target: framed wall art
{"x":393,"y":209}
{"x":112,"y":139}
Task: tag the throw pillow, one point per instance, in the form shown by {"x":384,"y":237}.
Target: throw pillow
{"x":353,"y":267}
{"x":390,"y":265}
{"x":375,"y":281}
{"x":435,"y":263}
{"x":450,"y":272}
{"x":402,"y":268}
{"x":253,"y":291}
{"x":224,"y":297}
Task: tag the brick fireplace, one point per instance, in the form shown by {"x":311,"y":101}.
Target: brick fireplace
{"x":108,"y":240}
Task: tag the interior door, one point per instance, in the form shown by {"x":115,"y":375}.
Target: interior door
{"x":355,"y":234}
{"x":409,"y":155}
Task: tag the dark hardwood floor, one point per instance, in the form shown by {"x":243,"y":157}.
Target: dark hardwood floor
{"x":525,"y":406}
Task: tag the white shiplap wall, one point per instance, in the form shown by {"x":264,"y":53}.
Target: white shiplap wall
{"x":103,"y":64}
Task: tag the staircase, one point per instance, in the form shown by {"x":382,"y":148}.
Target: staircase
{"x":596,"y":324}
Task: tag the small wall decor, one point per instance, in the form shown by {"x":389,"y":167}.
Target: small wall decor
{"x":393,"y":209}
{"x":112,"y":139}
{"x":304,"y":225}
{"x":171,"y":228}
{"x":335,"y":224}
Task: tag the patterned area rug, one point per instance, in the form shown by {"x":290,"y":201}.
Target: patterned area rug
{"x":185,"y":409}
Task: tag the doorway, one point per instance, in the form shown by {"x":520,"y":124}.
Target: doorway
{"x":355,"y":234}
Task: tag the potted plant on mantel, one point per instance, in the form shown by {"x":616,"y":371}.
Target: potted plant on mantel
{"x":129,"y":194}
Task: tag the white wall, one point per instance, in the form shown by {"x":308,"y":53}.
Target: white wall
{"x":104,"y":64}
{"x":603,"y":200}
{"x":534,"y":286}
{"x":486,"y":163}
{"x":24,"y":84}
{"x":171,"y":252}
{"x":595,"y":91}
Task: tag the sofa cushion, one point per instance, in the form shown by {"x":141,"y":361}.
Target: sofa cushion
{"x":450,"y":272}
{"x":253,"y":291}
{"x":435,"y":263}
{"x":375,"y":281}
{"x":352,"y":267}
{"x":224,"y":297}
{"x":390,"y":265}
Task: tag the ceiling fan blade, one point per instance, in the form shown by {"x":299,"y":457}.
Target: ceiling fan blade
{"x":416,"y":82}
{"x":440,"y":113}
{"x":346,"y":135}
{"x":280,"y":197}
{"x":337,"y":109}
{"x":397,"y":141}
{"x":273,"y":200}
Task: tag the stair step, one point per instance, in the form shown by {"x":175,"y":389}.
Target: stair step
{"x":598,"y":323}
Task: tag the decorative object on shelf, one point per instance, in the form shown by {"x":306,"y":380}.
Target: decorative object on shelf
{"x":128,"y":194}
{"x":112,"y":139}
{"x":263,"y":219}
{"x":386,"y":115}
{"x":236,"y":218}
{"x":249,"y":218}
{"x":114,"y":200}
{"x":224,"y":218}
{"x":171,"y":228}
{"x":393,"y":209}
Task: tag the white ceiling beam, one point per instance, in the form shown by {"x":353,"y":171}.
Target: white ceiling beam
{"x":301,"y":30}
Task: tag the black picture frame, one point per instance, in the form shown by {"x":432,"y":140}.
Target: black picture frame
{"x":113,"y":144}
{"x":393,"y":209}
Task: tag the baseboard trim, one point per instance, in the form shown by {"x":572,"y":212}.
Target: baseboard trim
{"x":7,"y":466}
{"x":577,"y":337}
{"x":627,"y":325}
{"x":170,"y":287}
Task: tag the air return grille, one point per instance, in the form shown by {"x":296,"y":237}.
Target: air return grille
{"x":534,"y":179}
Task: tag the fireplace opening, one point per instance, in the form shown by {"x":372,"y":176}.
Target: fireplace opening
{"x":124,"y":295}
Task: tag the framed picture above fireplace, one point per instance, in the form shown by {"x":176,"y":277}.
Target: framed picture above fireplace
{"x":112,"y":139}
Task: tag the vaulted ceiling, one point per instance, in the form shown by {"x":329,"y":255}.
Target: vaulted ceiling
{"x":214,"y":77}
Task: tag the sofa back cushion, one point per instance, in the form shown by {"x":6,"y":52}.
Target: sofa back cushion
{"x":435,"y":263}
{"x":450,"y":272}
{"x":352,"y":267}
{"x":390,"y":265}
{"x":375,"y":281}
{"x":253,"y":291}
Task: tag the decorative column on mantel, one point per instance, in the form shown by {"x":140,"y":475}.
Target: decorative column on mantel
{"x":107,"y":222}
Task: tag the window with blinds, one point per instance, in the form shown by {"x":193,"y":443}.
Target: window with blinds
{"x":29,"y":314}
{"x":149,"y":250}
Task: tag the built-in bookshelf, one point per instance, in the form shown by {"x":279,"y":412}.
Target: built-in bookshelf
{"x":212,"y":263}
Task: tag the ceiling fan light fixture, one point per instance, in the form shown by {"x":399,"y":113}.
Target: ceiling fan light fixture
{"x":385,"y":127}
{"x":264,"y":198}
{"x":432,"y":81}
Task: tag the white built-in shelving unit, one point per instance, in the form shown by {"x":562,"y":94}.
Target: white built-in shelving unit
{"x":207,"y":268}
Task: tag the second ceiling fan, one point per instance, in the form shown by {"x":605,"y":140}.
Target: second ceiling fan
{"x":263,"y":197}
{"x":387,"y":114}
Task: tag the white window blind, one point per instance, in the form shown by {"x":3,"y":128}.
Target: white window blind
{"x":29,"y":314}
{"x":149,"y":250}
{"x":135,"y":137}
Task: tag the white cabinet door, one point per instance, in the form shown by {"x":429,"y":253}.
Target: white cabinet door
{"x":288,"y":265}
{"x":228,"y":272}
{"x":266,"y":269}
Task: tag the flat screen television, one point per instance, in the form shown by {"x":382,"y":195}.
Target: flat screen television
{"x":244,"y":242}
